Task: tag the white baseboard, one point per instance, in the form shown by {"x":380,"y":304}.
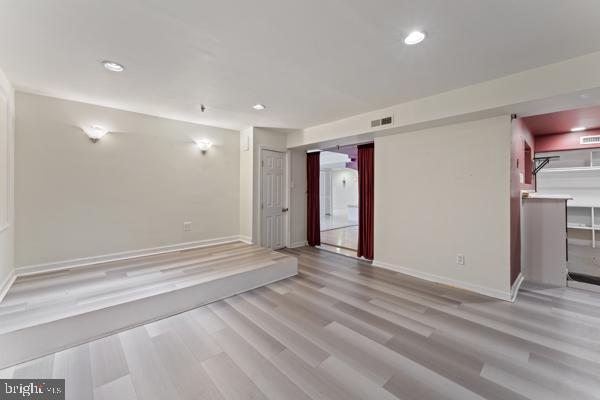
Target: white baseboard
{"x":6,"y":284}
{"x":495,"y":293}
{"x":514,"y":290}
{"x":298,"y":244}
{"x":125,"y":255}
{"x":584,"y":286}
{"x":245,"y":239}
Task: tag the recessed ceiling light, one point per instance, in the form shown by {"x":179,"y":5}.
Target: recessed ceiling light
{"x":259,"y":106}
{"x":414,"y":38}
{"x":113,"y":66}
{"x":578,"y":129}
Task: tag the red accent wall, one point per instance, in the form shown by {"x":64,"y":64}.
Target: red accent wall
{"x":563,"y":141}
{"x":520,"y":136}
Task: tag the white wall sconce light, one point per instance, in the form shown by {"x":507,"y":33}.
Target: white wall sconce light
{"x":95,"y":132}
{"x":204,"y":145}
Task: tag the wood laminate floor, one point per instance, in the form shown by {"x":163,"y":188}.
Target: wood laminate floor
{"x":342,"y":329}
{"x":338,"y":250}
{"x":41,"y":298}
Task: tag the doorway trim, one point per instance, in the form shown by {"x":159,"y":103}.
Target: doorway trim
{"x":286,"y":219}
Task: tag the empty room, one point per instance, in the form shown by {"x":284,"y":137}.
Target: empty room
{"x":328,"y":200}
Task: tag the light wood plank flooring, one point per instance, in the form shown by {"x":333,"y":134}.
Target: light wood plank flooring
{"x":40,"y":298}
{"x":342,"y":329}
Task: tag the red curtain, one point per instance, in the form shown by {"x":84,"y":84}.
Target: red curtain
{"x":366,"y":196}
{"x":313,"y":225}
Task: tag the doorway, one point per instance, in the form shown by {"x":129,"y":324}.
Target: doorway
{"x":566,"y":149}
{"x":273,"y":208}
{"x":338,"y":199}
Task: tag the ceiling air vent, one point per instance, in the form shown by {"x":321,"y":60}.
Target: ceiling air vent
{"x":589,"y":139}
{"x":380,"y":122}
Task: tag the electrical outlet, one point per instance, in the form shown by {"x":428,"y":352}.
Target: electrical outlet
{"x":460,"y":259}
{"x":187,"y":226}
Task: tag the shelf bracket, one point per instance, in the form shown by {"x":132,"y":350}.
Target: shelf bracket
{"x":541,"y":162}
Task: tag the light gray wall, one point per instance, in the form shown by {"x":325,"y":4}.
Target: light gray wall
{"x":7,"y":227}
{"x":297,"y":197}
{"x":131,"y":191}
{"x":443,"y":191}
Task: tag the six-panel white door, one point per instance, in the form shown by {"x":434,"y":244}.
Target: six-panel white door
{"x":273,"y":207}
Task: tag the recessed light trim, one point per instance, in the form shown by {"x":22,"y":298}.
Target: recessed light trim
{"x":113,"y":66}
{"x":414,"y":37}
{"x":578,"y":129}
{"x":259,"y":107}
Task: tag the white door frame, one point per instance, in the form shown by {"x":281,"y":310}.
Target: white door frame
{"x":286,"y":218}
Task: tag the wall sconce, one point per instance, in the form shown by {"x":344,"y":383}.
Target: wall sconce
{"x":95,"y":132}
{"x":204,"y":145}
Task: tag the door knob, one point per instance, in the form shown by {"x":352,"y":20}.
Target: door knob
{"x":284,"y":209}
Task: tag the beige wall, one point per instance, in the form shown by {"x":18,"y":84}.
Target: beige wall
{"x":443,"y":191}
{"x":246,"y":183}
{"x":297,"y":197}
{"x":131,"y":191}
{"x":7,"y":227}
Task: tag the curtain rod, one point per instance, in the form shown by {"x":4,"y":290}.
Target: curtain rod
{"x":339,"y":147}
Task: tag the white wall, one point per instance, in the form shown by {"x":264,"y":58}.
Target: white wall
{"x":443,"y":191}
{"x":344,"y":195}
{"x":7,"y":226}
{"x":132,"y":190}
{"x":246,"y":183}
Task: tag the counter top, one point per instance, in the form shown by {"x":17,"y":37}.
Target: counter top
{"x":548,"y":196}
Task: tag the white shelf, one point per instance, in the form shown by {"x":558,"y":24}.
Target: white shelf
{"x":577,"y":173}
{"x":583,"y":227}
{"x":569,"y":169}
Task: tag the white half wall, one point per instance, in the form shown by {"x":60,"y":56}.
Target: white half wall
{"x":7,"y":220}
{"x":445,"y":191}
{"x":132,"y":190}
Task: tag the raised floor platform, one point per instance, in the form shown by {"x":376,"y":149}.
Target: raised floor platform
{"x":47,"y":312}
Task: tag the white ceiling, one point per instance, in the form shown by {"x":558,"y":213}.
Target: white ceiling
{"x":309,"y":61}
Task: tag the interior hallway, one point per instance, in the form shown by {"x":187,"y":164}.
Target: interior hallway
{"x":336,"y":220}
{"x":346,"y":238}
